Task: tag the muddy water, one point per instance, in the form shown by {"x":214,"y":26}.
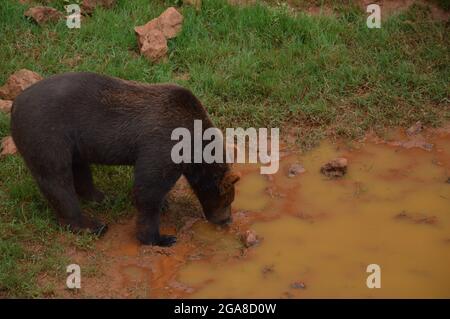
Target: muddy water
{"x":318,"y":236}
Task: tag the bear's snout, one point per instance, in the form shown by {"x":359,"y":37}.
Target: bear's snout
{"x":221,"y":216}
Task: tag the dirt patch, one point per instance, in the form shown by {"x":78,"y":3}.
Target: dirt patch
{"x":316,"y":209}
{"x":42,"y":15}
{"x":120,"y":267}
{"x":320,"y":10}
{"x":390,"y":7}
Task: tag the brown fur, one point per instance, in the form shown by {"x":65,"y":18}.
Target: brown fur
{"x":64,"y":123}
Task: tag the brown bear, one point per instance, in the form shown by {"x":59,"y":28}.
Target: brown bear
{"x":66,"y":122}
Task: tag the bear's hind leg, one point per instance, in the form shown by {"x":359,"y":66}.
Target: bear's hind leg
{"x":57,"y":186}
{"x":84,"y":184}
{"x":150,"y":188}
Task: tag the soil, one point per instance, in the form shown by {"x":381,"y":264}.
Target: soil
{"x":119,"y":267}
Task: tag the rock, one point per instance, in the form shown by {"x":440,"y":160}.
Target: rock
{"x":298,"y":285}
{"x":42,"y":15}
{"x":268,"y":269}
{"x":417,"y":218}
{"x":272,"y":192}
{"x":18,"y":82}
{"x":430,"y":220}
{"x":296,"y":169}
{"x":418,"y":143}
{"x":154,"y":45}
{"x":335,"y":168}
{"x":403,"y":214}
{"x":168,"y":24}
{"x":287,"y":295}
{"x":5,"y":106}
{"x":250,"y":238}
{"x":415,"y":129}
{"x":88,"y":6}
{"x":142,"y":30}
{"x":448,"y":180}
{"x":8,"y":146}
{"x":305,"y":216}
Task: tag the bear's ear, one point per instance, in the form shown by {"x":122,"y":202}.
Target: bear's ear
{"x":228,"y":180}
{"x":233,"y":178}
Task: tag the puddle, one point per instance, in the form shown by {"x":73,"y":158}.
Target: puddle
{"x":316,"y":235}
{"x":250,"y":193}
{"x":391,"y":209}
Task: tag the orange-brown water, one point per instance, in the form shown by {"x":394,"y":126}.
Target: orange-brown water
{"x":317,"y":236}
{"x":392,"y":208}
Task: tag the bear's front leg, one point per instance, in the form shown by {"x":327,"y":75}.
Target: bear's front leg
{"x":151,"y":186}
{"x":148,"y":232}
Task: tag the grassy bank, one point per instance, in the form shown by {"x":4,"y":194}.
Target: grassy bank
{"x":251,"y":66}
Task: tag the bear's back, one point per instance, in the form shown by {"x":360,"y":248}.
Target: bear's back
{"x":104,"y":117}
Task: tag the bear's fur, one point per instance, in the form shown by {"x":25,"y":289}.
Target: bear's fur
{"x":66,"y":122}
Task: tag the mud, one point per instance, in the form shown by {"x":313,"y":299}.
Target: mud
{"x":315,"y":235}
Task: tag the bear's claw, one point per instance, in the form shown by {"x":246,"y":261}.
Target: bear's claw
{"x":87,"y":225}
{"x":100,"y":230}
{"x":166,"y":240}
{"x":160,"y":240}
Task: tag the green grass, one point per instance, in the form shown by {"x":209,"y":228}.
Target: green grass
{"x":251,"y":66}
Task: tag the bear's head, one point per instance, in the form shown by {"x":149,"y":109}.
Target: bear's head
{"x":217,"y":205}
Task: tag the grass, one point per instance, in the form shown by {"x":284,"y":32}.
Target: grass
{"x":259,"y":66}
